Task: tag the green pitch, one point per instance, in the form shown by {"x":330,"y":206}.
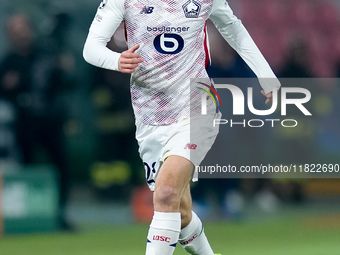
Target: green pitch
{"x":303,"y":236}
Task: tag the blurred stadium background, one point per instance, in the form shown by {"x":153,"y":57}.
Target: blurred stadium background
{"x":71,"y":180}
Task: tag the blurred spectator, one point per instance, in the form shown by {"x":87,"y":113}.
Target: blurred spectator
{"x":229,"y":194}
{"x":31,"y":81}
{"x":8,"y":146}
{"x":297,"y":59}
{"x":225,"y":62}
{"x":296,"y":148}
{"x":115,"y":128}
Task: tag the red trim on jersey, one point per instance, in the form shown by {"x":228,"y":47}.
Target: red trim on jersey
{"x":207,"y":60}
{"x":125,"y":32}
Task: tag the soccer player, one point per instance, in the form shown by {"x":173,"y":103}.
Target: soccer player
{"x":167,"y":45}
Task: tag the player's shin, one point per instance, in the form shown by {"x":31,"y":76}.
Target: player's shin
{"x":193,"y":238}
{"x":163,"y":233}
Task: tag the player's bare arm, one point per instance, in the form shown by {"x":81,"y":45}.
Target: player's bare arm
{"x":129,"y":60}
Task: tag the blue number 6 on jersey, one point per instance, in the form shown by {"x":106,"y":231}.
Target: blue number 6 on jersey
{"x":168,"y":43}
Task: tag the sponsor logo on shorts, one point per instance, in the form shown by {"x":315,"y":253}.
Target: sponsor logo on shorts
{"x":190,"y":146}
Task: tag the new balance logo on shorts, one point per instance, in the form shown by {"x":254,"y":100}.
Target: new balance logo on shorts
{"x":161,"y":238}
{"x":146,"y":10}
{"x":190,"y":146}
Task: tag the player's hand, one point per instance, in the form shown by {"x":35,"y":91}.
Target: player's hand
{"x":129,"y":60}
{"x":269,"y":96}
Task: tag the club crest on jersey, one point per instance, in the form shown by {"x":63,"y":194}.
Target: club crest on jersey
{"x":191,"y":9}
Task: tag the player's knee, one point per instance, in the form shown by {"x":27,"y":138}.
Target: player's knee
{"x":166,"y":196}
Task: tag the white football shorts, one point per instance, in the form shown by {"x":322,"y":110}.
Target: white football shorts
{"x":189,"y":140}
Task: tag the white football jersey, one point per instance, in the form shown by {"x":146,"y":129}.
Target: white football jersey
{"x":173,"y":44}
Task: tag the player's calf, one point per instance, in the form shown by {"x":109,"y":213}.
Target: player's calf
{"x":193,"y":238}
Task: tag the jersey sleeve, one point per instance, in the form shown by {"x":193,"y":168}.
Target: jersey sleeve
{"x":233,"y":31}
{"x":106,"y":21}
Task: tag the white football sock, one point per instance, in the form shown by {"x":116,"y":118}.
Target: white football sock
{"x":163,"y":233}
{"x":193,"y":239}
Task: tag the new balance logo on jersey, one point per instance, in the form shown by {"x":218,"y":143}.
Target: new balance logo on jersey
{"x":147,"y":10}
{"x":161,"y":238}
{"x":190,"y":146}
